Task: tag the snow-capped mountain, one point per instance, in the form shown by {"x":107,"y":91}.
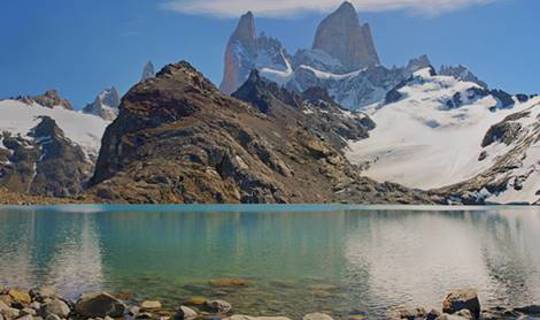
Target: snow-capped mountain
{"x":105,"y":105}
{"x":246,"y":51}
{"x":343,"y":60}
{"x":47,"y":150}
{"x":432,"y":131}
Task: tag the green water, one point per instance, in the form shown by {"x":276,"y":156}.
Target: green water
{"x":296,"y":259}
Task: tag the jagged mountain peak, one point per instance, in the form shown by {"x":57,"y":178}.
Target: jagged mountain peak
{"x":50,"y":99}
{"x":245,"y":30}
{"x":148,"y":71}
{"x":342,"y":36}
{"x":462,"y":73}
{"x":105,"y":105}
{"x":419,"y":63}
{"x":346,"y":10}
{"x":246,"y":51}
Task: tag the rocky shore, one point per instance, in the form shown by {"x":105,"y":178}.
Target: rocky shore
{"x":45,"y":304}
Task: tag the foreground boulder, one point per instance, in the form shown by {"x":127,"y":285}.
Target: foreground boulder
{"x":56,"y":307}
{"x":99,"y":305}
{"x":464,"y":299}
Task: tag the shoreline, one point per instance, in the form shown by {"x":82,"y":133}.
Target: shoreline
{"x":45,"y":304}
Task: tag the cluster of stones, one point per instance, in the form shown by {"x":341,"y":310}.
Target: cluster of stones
{"x":464,"y":304}
{"x":45,"y":304}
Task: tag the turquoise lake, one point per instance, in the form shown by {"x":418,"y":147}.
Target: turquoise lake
{"x":296,"y":259}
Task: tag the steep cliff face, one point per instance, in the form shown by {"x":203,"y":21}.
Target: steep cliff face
{"x":46,"y":163}
{"x":245,"y":52}
{"x":178,"y":139}
{"x":343,"y":37}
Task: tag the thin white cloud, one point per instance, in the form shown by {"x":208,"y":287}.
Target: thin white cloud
{"x":277,"y":8}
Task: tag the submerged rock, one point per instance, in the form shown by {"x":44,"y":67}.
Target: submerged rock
{"x":218,"y":306}
{"x":228,"y":282}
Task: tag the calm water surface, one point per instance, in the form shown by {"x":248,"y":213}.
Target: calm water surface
{"x":341,"y":260}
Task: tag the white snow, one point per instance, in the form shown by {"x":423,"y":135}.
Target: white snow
{"x":420,"y":143}
{"x":279,"y":76}
{"x":85,"y":130}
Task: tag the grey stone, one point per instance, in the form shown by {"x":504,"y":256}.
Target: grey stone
{"x":134,"y":310}
{"x":529,"y":310}
{"x":186,"y":313}
{"x":433,"y":314}
{"x":43,"y":293}
{"x":218,"y":306}
{"x":58,"y":307}
{"x":99,"y":305}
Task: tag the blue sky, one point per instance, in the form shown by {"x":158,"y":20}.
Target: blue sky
{"x":83,"y":46}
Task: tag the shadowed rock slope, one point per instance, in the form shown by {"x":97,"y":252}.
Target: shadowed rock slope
{"x":177,"y":139}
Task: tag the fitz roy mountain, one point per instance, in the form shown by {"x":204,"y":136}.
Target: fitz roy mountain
{"x":329,"y":124}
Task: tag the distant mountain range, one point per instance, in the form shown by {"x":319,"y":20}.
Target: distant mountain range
{"x":327,"y":124}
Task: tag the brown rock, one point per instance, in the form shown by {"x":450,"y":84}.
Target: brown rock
{"x":464,"y":299}
{"x":20,"y":296}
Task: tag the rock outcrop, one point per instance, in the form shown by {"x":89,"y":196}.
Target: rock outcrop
{"x":47,"y":165}
{"x":245,"y":52}
{"x":105,"y":106}
{"x":50,"y":99}
{"x":148,"y":71}
{"x":178,"y":139}
{"x":343,"y":37}
{"x":462,"y":73}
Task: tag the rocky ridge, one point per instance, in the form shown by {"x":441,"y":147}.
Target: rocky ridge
{"x":178,"y":139}
{"x":343,"y":61}
{"x":50,"y":99}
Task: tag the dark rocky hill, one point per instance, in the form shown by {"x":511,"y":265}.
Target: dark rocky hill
{"x":178,"y":139}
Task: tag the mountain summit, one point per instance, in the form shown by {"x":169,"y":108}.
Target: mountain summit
{"x":246,"y":51}
{"x":343,"y":37}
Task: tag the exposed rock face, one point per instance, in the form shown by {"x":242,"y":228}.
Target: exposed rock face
{"x":314,"y":107}
{"x":50,"y":99}
{"x":148,"y":71}
{"x":343,"y":37}
{"x":178,"y":139}
{"x":462,"y":73}
{"x":48,"y":165}
{"x":419,"y":63}
{"x":245,"y":52}
{"x":105,"y":105}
